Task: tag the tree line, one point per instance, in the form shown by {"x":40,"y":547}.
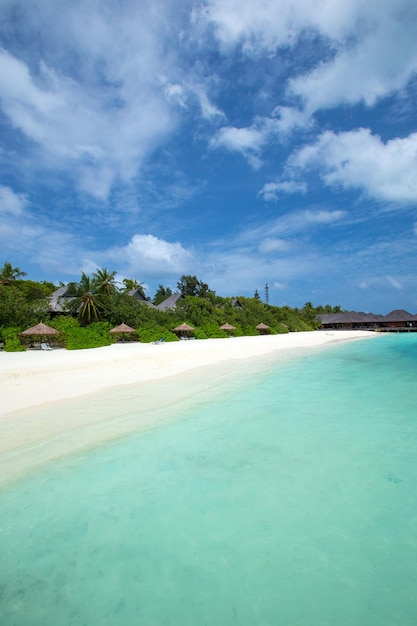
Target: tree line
{"x":98,"y":302}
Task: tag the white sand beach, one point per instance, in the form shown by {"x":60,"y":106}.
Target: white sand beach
{"x":59,"y":402}
{"x":35,"y":377}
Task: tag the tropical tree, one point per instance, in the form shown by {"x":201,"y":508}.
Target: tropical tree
{"x":104,"y":282}
{"x":309,"y":314}
{"x":87,"y":302}
{"x":161,"y":294}
{"x":8,"y":274}
{"x":132,"y":283}
{"x":192,"y":286}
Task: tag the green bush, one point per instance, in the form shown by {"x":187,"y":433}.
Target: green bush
{"x":212,"y":331}
{"x":154,"y":332}
{"x":281,"y":328}
{"x":76,"y":337}
{"x":11,"y":337}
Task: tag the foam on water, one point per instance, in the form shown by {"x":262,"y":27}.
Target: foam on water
{"x":289,"y":499}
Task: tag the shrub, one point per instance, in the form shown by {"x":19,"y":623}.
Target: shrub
{"x":12,"y":342}
{"x":211,"y":330}
{"x":153,"y":332}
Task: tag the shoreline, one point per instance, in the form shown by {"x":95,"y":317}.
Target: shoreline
{"x":35,"y":378}
{"x":59,"y":403}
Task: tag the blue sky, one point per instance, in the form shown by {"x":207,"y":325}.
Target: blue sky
{"x":243,"y":142}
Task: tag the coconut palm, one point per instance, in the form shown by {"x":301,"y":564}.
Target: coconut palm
{"x":104,"y":282}
{"x":132,"y":283}
{"x":87,"y":301}
{"x":9,"y":273}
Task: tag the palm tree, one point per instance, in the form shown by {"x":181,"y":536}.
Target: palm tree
{"x":9,"y":273}
{"x":87,"y":302}
{"x":104,"y":282}
{"x":132,"y":283}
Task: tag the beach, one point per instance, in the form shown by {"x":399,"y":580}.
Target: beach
{"x":59,"y":402}
{"x":270,"y":482}
{"x":36,"y":377}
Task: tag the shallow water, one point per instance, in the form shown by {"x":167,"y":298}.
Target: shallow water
{"x":286,"y":497}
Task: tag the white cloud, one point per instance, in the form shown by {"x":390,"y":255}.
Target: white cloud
{"x":373,"y":44}
{"x":289,"y":118}
{"x":208,"y":109}
{"x":98,"y":119}
{"x":394,"y":283}
{"x":266,"y":25}
{"x":247,"y":141}
{"x":381,"y":62}
{"x":12,"y":203}
{"x":358,"y":159}
{"x":295,"y":223}
{"x":271,"y":191}
{"x":147,"y":255}
{"x":175,"y":93}
{"x":273,"y":244}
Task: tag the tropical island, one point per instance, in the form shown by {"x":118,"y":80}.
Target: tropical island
{"x":84,"y":313}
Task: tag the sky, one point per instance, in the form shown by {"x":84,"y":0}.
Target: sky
{"x":247,"y":143}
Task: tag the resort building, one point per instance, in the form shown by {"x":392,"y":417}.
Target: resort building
{"x":398,"y":320}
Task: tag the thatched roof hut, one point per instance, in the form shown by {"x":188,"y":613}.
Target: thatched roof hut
{"x":40,"y":330}
{"x":263,"y":328}
{"x":184,"y":330}
{"x":122,"y":330}
{"x":228,"y":328}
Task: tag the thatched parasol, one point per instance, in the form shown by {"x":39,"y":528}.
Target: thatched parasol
{"x":228,"y":328}
{"x":122,"y":329}
{"x":263,"y":328}
{"x":184,"y":329}
{"x":40,"y":330}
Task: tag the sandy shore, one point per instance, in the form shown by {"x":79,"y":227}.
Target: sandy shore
{"x":58,"y":403}
{"x":33,"y":378}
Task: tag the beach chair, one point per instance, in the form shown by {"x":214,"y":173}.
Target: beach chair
{"x":45,"y":346}
{"x":157,"y":343}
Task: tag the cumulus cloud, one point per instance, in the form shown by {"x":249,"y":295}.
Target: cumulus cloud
{"x":247,"y":141}
{"x":358,"y":159}
{"x":372,"y":46}
{"x":263,"y":27}
{"x":153,"y":257}
{"x":381,"y":61}
{"x":12,"y":203}
{"x":99,"y":118}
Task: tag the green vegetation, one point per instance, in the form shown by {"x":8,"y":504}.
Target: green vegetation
{"x":96,"y":304}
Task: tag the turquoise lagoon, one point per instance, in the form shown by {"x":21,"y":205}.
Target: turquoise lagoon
{"x":279,"y":491}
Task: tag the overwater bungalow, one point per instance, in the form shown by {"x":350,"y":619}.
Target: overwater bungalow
{"x":397,"y":320}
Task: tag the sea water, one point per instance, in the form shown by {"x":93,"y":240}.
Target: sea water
{"x":287,"y":496}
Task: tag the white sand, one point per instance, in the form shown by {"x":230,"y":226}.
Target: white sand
{"x":32,"y":378}
{"x":37,"y":426}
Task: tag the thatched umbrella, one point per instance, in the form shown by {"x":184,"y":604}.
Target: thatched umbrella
{"x":40,"y":330}
{"x":184,"y":330}
{"x":263,"y":328}
{"x":228,"y":328}
{"x":122,"y":329}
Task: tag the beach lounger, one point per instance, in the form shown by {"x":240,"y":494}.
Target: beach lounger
{"x":156,"y":343}
{"x":45,"y":346}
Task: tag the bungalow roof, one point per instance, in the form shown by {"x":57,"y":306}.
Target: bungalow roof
{"x":170,"y":302}
{"x":58,"y":300}
{"x":400,"y":315}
